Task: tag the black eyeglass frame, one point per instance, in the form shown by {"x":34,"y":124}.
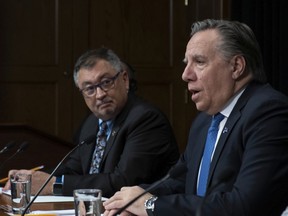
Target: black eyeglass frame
{"x":105,"y":86}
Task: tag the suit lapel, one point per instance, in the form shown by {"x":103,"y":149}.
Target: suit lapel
{"x":88,"y":150}
{"x":235,"y":115}
{"x":118,"y":122}
{"x":231,"y":121}
{"x":110,"y":141}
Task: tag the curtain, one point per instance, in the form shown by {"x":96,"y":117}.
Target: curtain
{"x":269,"y":21}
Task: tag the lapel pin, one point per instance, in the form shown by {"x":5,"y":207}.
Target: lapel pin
{"x":113,"y":133}
{"x":225,"y":130}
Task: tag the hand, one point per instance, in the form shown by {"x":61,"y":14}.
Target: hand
{"x":13,"y":172}
{"x":38,"y":179}
{"x":112,"y":212}
{"x":122,"y":197}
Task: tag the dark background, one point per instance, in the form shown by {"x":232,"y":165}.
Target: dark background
{"x":268,"y":19}
{"x":41,"y":39}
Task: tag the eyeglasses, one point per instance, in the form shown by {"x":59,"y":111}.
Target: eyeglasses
{"x":105,"y":85}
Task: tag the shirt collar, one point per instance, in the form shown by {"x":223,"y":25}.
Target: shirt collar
{"x":109,"y":124}
{"x":231,"y":103}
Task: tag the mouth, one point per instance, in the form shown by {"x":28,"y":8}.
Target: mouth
{"x":103,"y":103}
{"x":194,"y":94}
{"x":193,"y":91}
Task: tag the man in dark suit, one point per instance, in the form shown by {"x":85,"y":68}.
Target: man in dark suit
{"x":139,"y":145}
{"x":248,"y":169}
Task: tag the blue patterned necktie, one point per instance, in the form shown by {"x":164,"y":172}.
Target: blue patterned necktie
{"x":206,"y":159}
{"x":99,"y":149}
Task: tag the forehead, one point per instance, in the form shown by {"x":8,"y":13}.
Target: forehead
{"x":95,"y":74}
{"x":102,"y":64}
{"x":101,"y":67}
{"x":203,"y":41}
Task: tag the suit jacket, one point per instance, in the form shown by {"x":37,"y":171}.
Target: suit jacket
{"x":249,"y":170}
{"x":141,"y":148}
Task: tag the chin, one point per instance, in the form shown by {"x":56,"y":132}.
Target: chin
{"x":199,"y":107}
{"x":108,"y":114}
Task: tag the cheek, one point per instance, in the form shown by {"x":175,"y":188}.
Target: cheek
{"x":90,"y":103}
{"x":213,"y":86}
{"x":120,"y":95}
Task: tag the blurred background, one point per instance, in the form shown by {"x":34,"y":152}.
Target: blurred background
{"x":40,"y":41}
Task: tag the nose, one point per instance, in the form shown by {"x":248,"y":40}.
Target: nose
{"x":99,"y":93}
{"x":188,"y":74}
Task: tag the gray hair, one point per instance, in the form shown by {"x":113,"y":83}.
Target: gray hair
{"x":91,"y":57}
{"x":236,"y":39}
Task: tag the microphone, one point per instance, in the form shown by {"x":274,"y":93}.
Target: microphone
{"x":228,"y":173}
{"x":7,"y":147}
{"x":86,"y":141}
{"x":21,"y":148}
{"x":174,"y":172}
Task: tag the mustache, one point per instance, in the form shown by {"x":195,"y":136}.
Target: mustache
{"x":103,"y":101}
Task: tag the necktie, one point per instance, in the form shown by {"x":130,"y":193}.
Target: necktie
{"x":99,"y":149}
{"x":206,"y":159}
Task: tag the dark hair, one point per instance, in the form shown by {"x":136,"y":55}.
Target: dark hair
{"x":131,"y":74}
{"x":91,"y":57}
{"x":236,"y":39}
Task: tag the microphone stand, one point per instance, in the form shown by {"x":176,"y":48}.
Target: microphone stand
{"x":173,"y":173}
{"x":51,"y":175}
{"x":7,"y":147}
{"x":22,"y":148}
{"x":142,"y":194}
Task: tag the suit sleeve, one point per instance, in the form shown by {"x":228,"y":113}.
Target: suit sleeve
{"x":257,"y":152}
{"x":144,"y":149}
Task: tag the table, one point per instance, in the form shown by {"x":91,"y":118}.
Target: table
{"x":5,"y":199}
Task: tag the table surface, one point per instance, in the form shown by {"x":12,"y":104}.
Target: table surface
{"x":5,"y":199}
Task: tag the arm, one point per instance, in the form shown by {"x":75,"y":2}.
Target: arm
{"x":145,"y":139}
{"x":254,"y":150}
{"x":124,"y":196}
{"x":38,"y":179}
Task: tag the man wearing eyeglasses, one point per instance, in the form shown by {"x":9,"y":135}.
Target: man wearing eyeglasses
{"x":134,"y":141}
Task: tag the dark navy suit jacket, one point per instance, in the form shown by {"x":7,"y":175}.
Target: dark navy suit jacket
{"x":249,"y":170}
{"x":141,"y":148}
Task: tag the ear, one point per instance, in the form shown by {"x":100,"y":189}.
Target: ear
{"x":126,"y":79}
{"x":238,"y":64}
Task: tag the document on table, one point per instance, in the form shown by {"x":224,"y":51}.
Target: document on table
{"x":65,"y":212}
{"x":45,"y":199}
{"x":68,"y":212}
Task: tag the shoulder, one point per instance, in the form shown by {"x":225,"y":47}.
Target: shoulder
{"x":263,"y":97}
{"x":140,"y":108}
{"x":261,"y":109}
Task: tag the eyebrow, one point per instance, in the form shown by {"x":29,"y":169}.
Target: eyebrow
{"x":194,"y":57}
{"x":106,"y":75}
{"x":85,"y":84}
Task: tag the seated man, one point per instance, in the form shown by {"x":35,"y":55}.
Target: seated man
{"x":237,"y":152}
{"x":135,"y":142}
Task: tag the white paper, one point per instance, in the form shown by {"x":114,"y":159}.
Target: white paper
{"x":68,"y":212}
{"x":46,"y":199}
{"x":58,"y":212}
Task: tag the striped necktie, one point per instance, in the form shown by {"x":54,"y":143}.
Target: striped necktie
{"x":207,"y":155}
{"x":99,"y":148}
